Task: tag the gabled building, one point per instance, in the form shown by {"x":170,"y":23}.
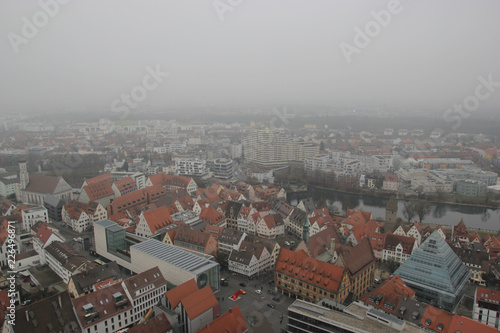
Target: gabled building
{"x":43,"y":234}
{"x":124,"y":186}
{"x":270,"y":226}
{"x":211,"y":215}
{"x":157,"y":324}
{"x":230,"y":240}
{"x":295,"y":222}
{"x":198,"y":241}
{"x":307,"y":205}
{"x":476,"y":261}
{"x":81,"y":216}
{"x":94,"y":279}
{"x":100,"y":192}
{"x":153,"y":221}
{"x":436,"y":273}
{"x":33,"y":215}
{"x":136,"y":199}
{"x":230,"y":322}
{"x":231,"y":212}
{"x":52,"y":314}
{"x":144,"y":291}
{"x":310,"y":279}
{"x":360,"y":264}
{"x":105,"y":310}
{"x":398,"y":248}
{"x":39,"y":185}
{"x":250,"y":259}
{"x":322,"y":245}
{"x":198,"y":309}
{"x":65,"y":261}
{"x":172,"y":182}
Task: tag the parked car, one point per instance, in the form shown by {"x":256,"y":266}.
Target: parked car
{"x":243,"y":284}
{"x":224,"y":283}
{"x":271,"y":305}
{"x":276,"y":299}
{"x":258,"y":291}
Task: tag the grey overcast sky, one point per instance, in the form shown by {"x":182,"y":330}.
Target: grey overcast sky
{"x":244,"y":53}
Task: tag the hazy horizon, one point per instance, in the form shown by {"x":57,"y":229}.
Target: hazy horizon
{"x":427,"y":55}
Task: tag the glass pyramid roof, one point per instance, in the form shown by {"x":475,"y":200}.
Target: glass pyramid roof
{"x":435,"y":266}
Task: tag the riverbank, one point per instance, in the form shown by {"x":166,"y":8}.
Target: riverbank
{"x":388,"y":194}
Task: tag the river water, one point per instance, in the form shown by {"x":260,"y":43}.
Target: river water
{"x":444,"y":214}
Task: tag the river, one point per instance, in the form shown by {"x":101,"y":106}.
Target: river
{"x":444,"y":214}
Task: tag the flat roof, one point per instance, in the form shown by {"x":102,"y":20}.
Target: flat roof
{"x":347,"y":321}
{"x":175,"y":256}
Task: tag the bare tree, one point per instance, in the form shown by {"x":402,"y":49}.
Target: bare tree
{"x":422,"y":209}
{"x":409,"y":210}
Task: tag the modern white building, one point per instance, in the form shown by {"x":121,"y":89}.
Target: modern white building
{"x":191,"y":167}
{"x":31,"y":216}
{"x":486,"y":308}
{"x":221,"y":168}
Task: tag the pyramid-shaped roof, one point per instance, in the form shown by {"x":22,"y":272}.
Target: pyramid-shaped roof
{"x":434,"y":266}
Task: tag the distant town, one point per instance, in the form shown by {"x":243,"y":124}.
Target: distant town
{"x":122,"y":224}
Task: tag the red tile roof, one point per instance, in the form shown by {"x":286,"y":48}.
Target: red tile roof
{"x":96,"y":191}
{"x":125,"y":185}
{"x":391,"y":290}
{"x":199,"y":302}
{"x":157,"y":219}
{"x":98,"y":179}
{"x":301,"y":266}
{"x":391,"y":241}
{"x":4,"y":231}
{"x":230,"y":322}
{"x":103,"y":302}
{"x":175,"y":295}
{"x":211,"y":215}
{"x":273,"y":220}
{"x":437,"y":317}
{"x":158,"y":324}
{"x":464,"y":324}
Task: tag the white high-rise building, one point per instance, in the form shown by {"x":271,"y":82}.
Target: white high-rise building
{"x":191,"y":167}
{"x":271,"y":148}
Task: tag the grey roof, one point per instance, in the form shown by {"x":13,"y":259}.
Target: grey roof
{"x":175,"y":256}
{"x":51,"y":200}
{"x":105,"y":223}
{"x":102,"y":272}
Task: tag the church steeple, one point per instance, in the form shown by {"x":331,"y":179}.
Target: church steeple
{"x":24,"y":177}
{"x":305,"y":230}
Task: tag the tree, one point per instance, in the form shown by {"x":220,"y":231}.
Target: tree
{"x":422,"y":209}
{"x":409,"y":210}
{"x":321,"y":203}
{"x":321,"y":145}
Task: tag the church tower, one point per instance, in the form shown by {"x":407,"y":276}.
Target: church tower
{"x":305,"y":230}
{"x":391,"y":213}
{"x":24,"y":177}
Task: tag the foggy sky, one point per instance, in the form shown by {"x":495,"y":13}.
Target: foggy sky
{"x":263,"y":52}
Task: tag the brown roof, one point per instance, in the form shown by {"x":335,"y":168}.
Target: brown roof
{"x":103,"y":302}
{"x":55,"y":311}
{"x":141,"y":280}
{"x":391,"y":291}
{"x":191,"y":236}
{"x":391,"y":241}
{"x":358,"y":257}
{"x":158,"y":219}
{"x":67,"y":256}
{"x":230,"y":322}
{"x":158,"y":324}
{"x":199,"y":302}
{"x":100,"y":190}
{"x":212,"y":215}
{"x":175,"y":295}
{"x":101,"y":178}
{"x":44,"y":184}
{"x":299,"y":264}
{"x":125,"y":185}
{"x":273,"y":220}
